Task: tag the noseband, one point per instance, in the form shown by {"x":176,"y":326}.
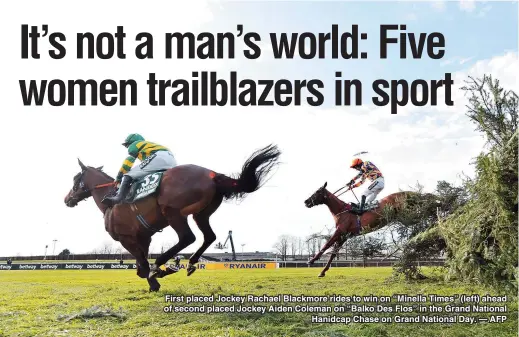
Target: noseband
{"x":312,"y":200}
{"x":85,"y":191}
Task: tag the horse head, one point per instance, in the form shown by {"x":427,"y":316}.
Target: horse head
{"x":84,"y":181}
{"x":318,"y":198}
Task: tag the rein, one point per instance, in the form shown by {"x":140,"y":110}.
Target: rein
{"x":104,"y":185}
{"x":349,"y":189}
{"x":340,"y":189}
{"x":86,"y":190}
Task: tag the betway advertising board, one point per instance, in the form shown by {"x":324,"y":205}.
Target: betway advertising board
{"x":116,"y":266}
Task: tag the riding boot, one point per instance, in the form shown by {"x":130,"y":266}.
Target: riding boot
{"x":362,"y":202}
{"x":121,"y":194}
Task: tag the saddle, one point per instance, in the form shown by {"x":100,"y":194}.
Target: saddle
{"x":143,"y":187}
{"x":355,"y":208}
{"x":139,"y":190}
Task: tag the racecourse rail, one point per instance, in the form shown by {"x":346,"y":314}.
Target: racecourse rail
{"x":234,"y":265}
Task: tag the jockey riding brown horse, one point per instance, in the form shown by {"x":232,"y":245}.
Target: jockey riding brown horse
{"x":348,"y":224}
{"x":184,"y":190}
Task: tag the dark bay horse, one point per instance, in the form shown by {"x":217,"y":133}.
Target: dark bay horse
{"x":348,"y":224}
{"x":184,"y":190}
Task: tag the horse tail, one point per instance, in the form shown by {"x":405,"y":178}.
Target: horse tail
{"x":252,"y":175}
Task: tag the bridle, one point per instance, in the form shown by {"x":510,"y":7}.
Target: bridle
{"x":312,"y":200}
{"x":86,"y":192}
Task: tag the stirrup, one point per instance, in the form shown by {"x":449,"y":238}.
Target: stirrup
{"x":372,"y":204}
{"x":111,"y":200}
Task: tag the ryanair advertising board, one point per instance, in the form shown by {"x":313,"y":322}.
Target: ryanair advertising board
{"x":235,"y":265}
{"x":241,"y":265}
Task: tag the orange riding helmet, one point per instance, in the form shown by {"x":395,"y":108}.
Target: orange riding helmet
{"x":356,"y":162}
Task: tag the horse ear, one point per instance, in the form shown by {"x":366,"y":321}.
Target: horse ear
{"x":100,"y":168}
{"x":325,"y":184}
{"x":83,"y":167}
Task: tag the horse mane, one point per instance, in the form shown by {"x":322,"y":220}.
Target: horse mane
{"x":343,"y":204}
{"x":77,"y":176}
{"x":100,"y":169}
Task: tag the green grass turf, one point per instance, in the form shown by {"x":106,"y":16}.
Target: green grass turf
{"x":32,"y":303}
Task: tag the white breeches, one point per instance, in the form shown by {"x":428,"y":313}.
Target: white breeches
{"x":163,"y":160}
{"x":374,"y":189}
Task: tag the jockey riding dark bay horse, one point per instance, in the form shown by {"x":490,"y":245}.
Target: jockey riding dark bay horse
{"x":153,"y":157}
{"x":163,"y":194}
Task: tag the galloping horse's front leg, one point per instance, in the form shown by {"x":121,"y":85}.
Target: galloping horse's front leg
{"x":328,"y":264}
{"x":328,"y":244}
{"x":334,"y":253}
{"x":143,"y":267}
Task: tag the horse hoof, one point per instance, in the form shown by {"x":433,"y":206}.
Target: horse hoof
{"x":321,"y":275}
{"x":190,"y":270}
{"x":154,"y":285}
{"x":310,"y":262}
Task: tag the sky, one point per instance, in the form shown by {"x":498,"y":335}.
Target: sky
{"x":419,"y":144}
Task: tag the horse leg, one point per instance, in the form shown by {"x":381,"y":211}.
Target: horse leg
{"x":144,"y":244}
{"x":334,"y":253}
{"x":202,"y":221}
{"x":185,"y":237}
{"x":327,"y":245}
{"x":325,"y":269}
{"x":140,"y":254}
{"x":209,"y":237}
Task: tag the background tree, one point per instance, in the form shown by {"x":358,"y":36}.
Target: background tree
{"x":64,"y":254}
{"x":301,"y":247}
{"x":293,"y":245}
{"x":106,"y":248}
{"x":281,"y":246}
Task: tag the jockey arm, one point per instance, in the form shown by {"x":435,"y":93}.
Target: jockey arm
{"x":125,"y":167}
{"x":362,"y":177}
{"x":128,"y":162}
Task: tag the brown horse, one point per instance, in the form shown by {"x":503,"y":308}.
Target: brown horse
{"x":348,"y":224}
{"x":184,"y":190}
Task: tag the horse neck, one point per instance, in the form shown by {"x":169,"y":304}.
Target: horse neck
{"x":99,"y":193}
{"x":335,"y":205}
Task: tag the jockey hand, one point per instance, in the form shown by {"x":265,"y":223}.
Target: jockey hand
{"x":350,"y":184}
